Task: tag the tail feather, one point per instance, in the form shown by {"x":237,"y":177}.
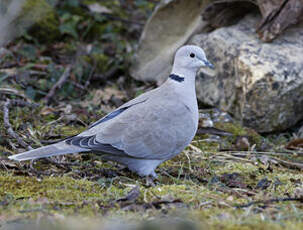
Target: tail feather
{"x":48,"y":151}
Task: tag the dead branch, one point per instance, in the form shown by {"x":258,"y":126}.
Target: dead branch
{"x":284,"y":163}
{"x":92,"y":71}
{"x":270,"y":201}
{"x":8,"y":125}
{"x":10,"y":91}
{"x":77,"y":85}
{"x":58,"y":84}
{"x":272,"y":157}
{"x":277,"y":15}
{"x":289,"y":164}
{"x":213,"y":131}
{"x":271,"y":153}
{"x":110,"y":73}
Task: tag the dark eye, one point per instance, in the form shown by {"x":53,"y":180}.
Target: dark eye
{"x":192,"y":55}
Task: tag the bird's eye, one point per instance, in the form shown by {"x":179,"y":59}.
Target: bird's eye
{"x":192,"y":55}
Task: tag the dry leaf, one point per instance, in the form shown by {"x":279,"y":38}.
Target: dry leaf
{"x":47,"y":111}
{"x":295,"y":144}
{"x":97,"y":8}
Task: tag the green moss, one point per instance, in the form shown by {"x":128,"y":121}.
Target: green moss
{"x":44,"y":18}
{"x":46,"y":29}
{"x":56,"y":189}
{"x":237,"y":130}
{"x":189,"y":185}
{"x":98,"y":59}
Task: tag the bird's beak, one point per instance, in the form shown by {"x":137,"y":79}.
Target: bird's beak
{"x":208,"y":64}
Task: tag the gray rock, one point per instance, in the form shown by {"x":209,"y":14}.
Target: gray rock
{"x":300,"y":132}
{"x":172,"y":23}
{"x":261,"y":84}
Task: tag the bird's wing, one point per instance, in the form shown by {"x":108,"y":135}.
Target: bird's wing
{"x":155,"y":128}
{"x":140,"y":99}
{"x":90,"y":143}
{"x":72,"y":144}
{"x":115,"y":113}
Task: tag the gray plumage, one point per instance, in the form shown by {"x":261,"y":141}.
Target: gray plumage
{"x":147,"y":130}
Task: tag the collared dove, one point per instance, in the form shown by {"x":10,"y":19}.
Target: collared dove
{"x":146,"y":131}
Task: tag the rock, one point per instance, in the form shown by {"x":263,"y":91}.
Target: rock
{"x":300,"y":132}
{"x":16,"y":16}
{"x":170,"y":26}
{"x":260,"y":84}
{"x":9,"y":11}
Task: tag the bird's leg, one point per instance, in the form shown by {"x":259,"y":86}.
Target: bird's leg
{"x":154,"y":175}
{"x":150,"y":179}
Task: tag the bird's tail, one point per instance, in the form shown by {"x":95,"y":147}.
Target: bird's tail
{"x":48,"y":151}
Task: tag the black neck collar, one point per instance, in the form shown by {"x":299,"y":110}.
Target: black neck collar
{"x":176,"y":77}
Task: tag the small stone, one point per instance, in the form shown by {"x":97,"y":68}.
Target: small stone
{"x":263,"y":184}
{"x":242,"y":144}
{"x":298,"y":193}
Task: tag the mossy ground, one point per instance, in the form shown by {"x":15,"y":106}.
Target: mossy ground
{"x":204,"y":183}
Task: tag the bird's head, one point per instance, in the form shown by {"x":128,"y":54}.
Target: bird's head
{"x":191,"y":58}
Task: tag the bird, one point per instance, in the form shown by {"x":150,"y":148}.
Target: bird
{"x":147,"y":130}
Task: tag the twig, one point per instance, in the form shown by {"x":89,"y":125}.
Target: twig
{"x":8,"y":125}
{"x":274,"y":153}
{"x":236,"y":155}
{"x":58,"y":84}
{"x":12,"y":92}
{"x":214,"y":131}
{"x":8,"y":64}
{"x":36,"y":72}
{"x":269,"y":201}
{"x":127,"y":21}
{"x":195,"y":149}
{"x":92,"y":71}
{"x":111,"y":72}
{"x":289,"y":164}
{"x":231,"y":157}
{"x":78,"y":85}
